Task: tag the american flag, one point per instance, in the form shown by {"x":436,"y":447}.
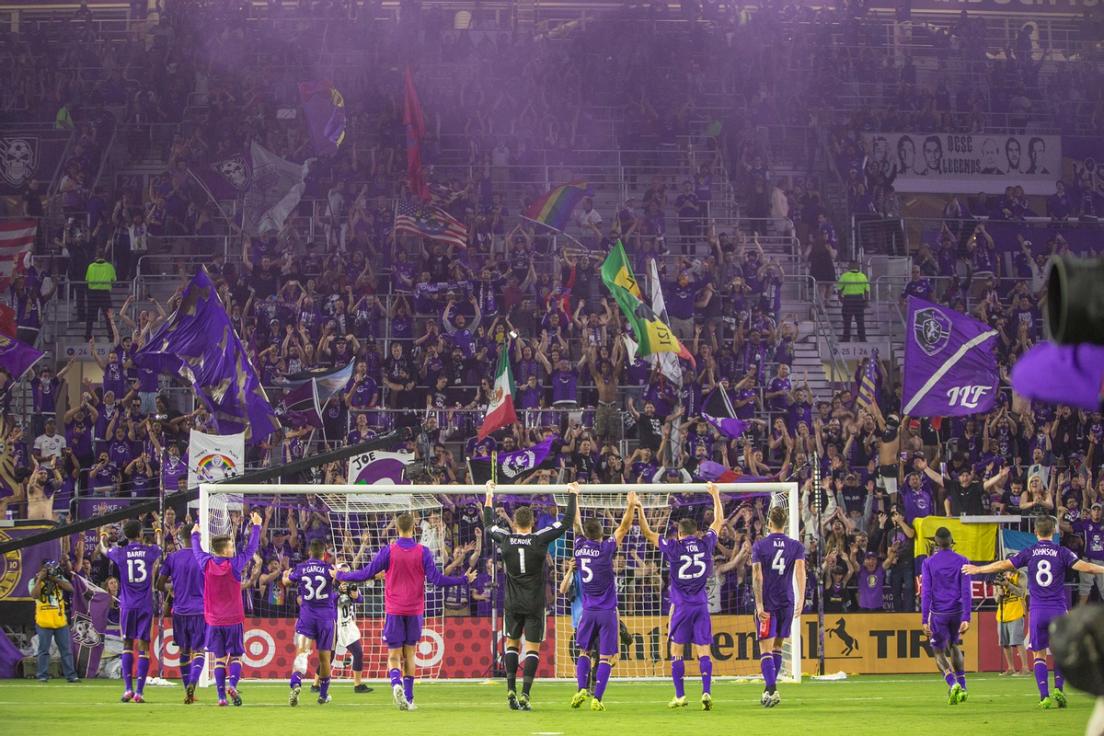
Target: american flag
{"x":868,"y":383}
{"x":430,"y":222}
{"x":16,"y":239}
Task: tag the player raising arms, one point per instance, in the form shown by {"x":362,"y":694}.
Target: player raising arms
{"x":690,"y":559}
{"x":945,"y":607}
{"x":776,"y":562}
{"x":136,"y":562}
{"x":523,"y":556}
{"x":181,"y":577}
{"x":1046,"y":565}
{"x":222,"y":604}
{"x":408,"y":565}
{"x":594,"y":560}
{"x":317,"y":622}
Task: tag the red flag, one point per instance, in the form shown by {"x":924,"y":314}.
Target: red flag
{"x":7,"y":321}
{"x":414,"y":123}
{"x":16,"y":239}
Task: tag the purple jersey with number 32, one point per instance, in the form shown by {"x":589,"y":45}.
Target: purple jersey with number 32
{"x":691,"y":563}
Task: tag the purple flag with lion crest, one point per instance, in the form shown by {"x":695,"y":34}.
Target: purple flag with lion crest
{"x":950,"y":366}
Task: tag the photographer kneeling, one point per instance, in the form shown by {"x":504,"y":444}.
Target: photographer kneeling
{"x":50,"y":620}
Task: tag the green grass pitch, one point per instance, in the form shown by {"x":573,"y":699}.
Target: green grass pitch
{"x":871,"y":704}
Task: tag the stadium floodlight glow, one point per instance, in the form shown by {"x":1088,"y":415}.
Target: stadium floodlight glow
{"x":360,"y":519}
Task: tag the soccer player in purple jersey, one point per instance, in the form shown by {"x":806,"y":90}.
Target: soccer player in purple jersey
{"x":136,"y":563}
{"x":408,"y":565}
{"x":945,"y":607}
{"x":222,"y":604}
{"x":317,"y":622}
{"x":594,"y":561}
{"x":182,"y":579}
{"x":690,"y":559}
{"x":1046,"y":565}
{"x":776,"y":562}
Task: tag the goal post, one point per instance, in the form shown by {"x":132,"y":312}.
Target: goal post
{"x":360,"y":523}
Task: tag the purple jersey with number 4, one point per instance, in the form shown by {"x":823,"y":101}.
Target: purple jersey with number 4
{"x":691,"y":563}
{"x":135,"y":562}
{"x":777,"y":554}
{"x":1046,"y":565}
{"x":594,"y":561}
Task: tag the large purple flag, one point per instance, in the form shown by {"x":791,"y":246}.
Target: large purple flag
{"x":512,"y":466}
{"x":91,"y":605}
{"x":16,"y":357}
{"x":199,"y":344}
{"x":950,"y":367}
{"x":324,"y":108}
{"x":727,"y":426}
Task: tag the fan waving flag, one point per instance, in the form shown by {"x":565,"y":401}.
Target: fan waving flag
{"x":275,"y":188}
{"x":430,"y":222}
{"x":16,"y":358}
{"x":554,"y":209}
{"x":728,"y":426}
{"x":868,"y":383}
{"x":16,"y":239}
{"x":414,"y":123}
{"x":510,"y":467}
{"x":652,"y":334}
{"x":324,"y":108}
{"x":309,"y":392}
{"x":950,"y":367}
{"x":198,"y":343}
{"x":500,"y":412}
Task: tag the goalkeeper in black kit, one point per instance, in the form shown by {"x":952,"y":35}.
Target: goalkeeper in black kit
{"x":524,"y":552}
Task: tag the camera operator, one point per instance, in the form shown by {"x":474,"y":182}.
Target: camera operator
{"x":1011,"y":592}
{"x":48,"y":589}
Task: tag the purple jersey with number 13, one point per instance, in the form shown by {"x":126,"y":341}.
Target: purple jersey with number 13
{"x":135,"y":562}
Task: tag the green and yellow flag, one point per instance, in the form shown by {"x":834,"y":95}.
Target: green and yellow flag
{"x":652,"y":333}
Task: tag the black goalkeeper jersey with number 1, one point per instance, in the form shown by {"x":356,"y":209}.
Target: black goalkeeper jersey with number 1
{"x":523,"y":556}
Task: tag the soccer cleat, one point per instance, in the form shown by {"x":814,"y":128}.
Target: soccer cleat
{"x":232,"y":692}
{"x":293,"y":696}
{"x":327,"y":699}
{"x":579,"y":698}
{"x":511,"y":699}
{"x":523,"y":702}
{"x":1060,"y":699}
{"x":775,"y":699}
{"x":316,"y":688}
{"x":222,"y":703}
{"x":765,"y":699}
{"x":1047,"y":704}
{"x":962,"y":694}
{"x":411,"y":706}
{"x":953,"y":693}
{"x":399,"y":697}
{"x":138,"y":698}
{"x":707,"y":701}
{"x":362,"y":688}
{"x":677,"y":702}
{"x":189,"y":695}
{"x":127,"y":696}
{"x":596,"y":705}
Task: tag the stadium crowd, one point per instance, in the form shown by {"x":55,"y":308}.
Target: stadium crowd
{"x":424,"y":321}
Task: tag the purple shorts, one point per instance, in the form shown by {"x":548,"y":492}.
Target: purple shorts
{"x":135,"y":623}
{"x":1040,"y":619}
{"x":601,"y":625}
{"x":189,"y":632}
{"x":225,"y":641}
{"x":944,"y":629}
{"x":323,"y":631}
{"x":780,"y":624}
{"x":400,"y":631}
{"x":691,"y":625}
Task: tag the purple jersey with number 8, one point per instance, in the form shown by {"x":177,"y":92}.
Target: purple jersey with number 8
{"x":1046,"y":564}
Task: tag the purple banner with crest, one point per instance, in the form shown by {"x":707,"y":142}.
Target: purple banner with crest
{"x":21,"y":566}
{"x":87,"y":624}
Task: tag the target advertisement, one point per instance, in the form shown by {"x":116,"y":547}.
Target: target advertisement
{"x":212,"y":457}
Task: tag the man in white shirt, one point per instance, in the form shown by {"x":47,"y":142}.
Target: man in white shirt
{"x":590,"y":221}
{"x":49,"y":444}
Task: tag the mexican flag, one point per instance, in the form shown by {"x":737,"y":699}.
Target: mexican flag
{"x":652,"y":333}
{"x":501,"y":410}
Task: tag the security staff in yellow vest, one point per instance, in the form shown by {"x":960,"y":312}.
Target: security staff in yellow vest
{"x":51,"y":623}
{"x":99,"y":276}
{"x":1011,"y":591}
{"x":854,"y":288}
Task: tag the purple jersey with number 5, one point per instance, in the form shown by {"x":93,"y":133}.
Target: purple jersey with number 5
{"x":594,"y":563}
{"x":777,"y":554}
{"x":691,"y":565}
{"x":135,"y":562}
{"x":1046,"y":565}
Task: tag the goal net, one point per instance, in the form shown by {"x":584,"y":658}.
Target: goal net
{"x":462,"y":634}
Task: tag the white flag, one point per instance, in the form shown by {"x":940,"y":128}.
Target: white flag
{"x":275,"y":190}
{"x":668,"y":362}
{"x":379,"y":468}
{"x":212,"y":457}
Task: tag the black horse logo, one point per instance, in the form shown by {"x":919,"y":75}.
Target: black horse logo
{"x":839,"y":631}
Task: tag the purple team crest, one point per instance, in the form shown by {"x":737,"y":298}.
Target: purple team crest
{"x":932,"y":329}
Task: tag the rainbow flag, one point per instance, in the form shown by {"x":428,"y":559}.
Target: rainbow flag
{"x":554,"y":209}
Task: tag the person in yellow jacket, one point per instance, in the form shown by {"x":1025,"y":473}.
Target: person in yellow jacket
{"x":99,"y":278}
{"x":51,"y":623}
{"x":854,"y":289}
{"x":1011,"y":591}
